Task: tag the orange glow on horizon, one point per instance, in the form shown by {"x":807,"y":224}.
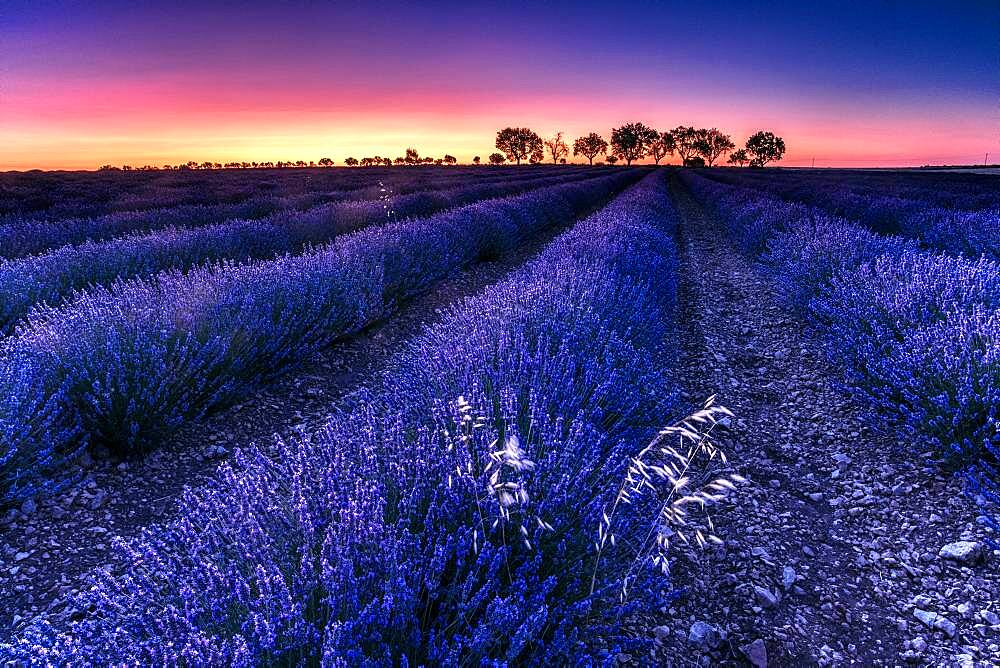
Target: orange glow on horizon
{"x":75,"y":126}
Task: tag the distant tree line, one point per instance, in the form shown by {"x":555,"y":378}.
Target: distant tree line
{"x":696,"y":147}
{"x":411,"y":158}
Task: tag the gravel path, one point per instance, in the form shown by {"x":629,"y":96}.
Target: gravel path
{"x":832,"y":554}
{"x":47,"y":548}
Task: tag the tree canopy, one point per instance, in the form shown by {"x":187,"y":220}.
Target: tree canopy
{"x":712,"y":144}
{"x":519,"y":143}
{"x":557,"y":148}
{"x":685,"y":141}
{"x":631,"y":141}
{"x":739,"y":158}
{"x":765,"y":147}
{"x":663,"y":146}
{"x":590,"y":146}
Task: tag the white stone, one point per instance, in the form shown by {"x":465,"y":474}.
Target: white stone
{"x":962,"y":551}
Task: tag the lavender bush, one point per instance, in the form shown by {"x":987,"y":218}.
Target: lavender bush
{"x":810,"y":252}
{"x":970,"y":233}
{"x":918,"y":333}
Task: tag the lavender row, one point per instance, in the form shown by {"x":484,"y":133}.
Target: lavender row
{"x":25,"y":237}
{"x":956,"y":229}
{"x":918,"y":332}
{"x":19,"y":237}
{"x":381,"y":539}
{"x":50,"y":277}
{"x":58,"y":195}
{"x":125,"y":365}
{"x":965,"y":192}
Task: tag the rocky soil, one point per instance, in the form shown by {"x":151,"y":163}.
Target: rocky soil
{"x":853,"y":546}
{"x":48,"y":547}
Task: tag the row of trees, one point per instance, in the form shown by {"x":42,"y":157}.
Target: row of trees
{"x":323,"y":162}
{"x":411,"y":158}
{"x":635,"y":141}
{"x":697,"y":147}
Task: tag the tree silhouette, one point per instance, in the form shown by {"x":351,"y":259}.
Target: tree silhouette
{"x":351,"y":162}
{"x":400,"y":160}
{"x":476,"y":160}
{"x":325,"y":162}
{"x":712,"y":144}
{"x":518,"y":143}
{"x":765,"y":147}
{"x":557,"y":147}
{"x":611,"y":159}
{"x":739,"y":158}
{"x":497,"y":158}
{"x":631,"y":141}
{"x":590,"y":146}
{"x":662,"y":147}
{"x":387,"y":162}
{"x":412,"y":157}
{"x":449,"y":159}
{"x":685,"y":141}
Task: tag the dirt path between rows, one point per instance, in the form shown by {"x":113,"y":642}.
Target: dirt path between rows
{"x":48,"y":550}
{"x":832,"y":554}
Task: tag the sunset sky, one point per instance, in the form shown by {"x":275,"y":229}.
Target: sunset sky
{"x":874,"y":83}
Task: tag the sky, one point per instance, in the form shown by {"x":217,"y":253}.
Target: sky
{"x":857,"y":84}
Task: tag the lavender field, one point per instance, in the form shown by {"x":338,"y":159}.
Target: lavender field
{"x":535,"y":415}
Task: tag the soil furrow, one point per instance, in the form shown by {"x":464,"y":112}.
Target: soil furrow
{"x":833,"y":549}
